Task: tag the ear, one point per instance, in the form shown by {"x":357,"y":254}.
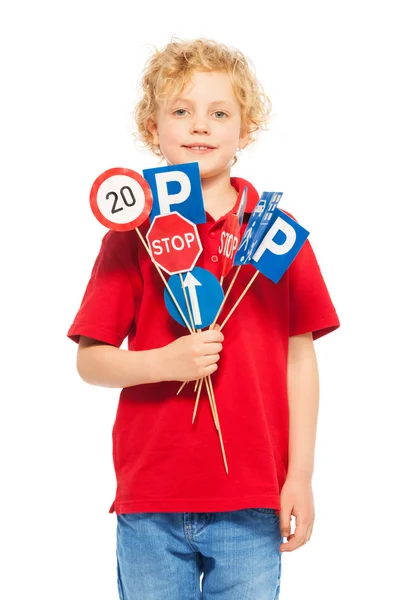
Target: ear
{"x":152,"y":128}
{"x":244,"y":140}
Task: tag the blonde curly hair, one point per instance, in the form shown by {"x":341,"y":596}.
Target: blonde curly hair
{"x":167,"y":72}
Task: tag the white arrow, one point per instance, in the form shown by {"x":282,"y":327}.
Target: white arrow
{"x":191,"y":283}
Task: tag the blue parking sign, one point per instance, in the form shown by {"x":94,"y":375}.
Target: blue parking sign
{"x":279,"y":247}
{"x":177,"y":188}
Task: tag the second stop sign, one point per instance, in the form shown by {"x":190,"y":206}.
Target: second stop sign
{"x":174,"y":243}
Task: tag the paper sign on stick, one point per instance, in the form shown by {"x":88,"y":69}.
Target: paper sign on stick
{"x":174,"y":243}
{"x":242,"y":206}
{"x":177,"y":188}
{"x":204,"y":294}
{"x":272,"y":199}
{"x":257,"y":226}
{"x":121,"y":199}
{"x":229,"y":242}
{"x":279,"y":247}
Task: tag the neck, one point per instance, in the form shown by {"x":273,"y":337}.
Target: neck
{"x":218,"y":194}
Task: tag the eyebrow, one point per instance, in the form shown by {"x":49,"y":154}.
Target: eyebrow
{"x":215,"y":102}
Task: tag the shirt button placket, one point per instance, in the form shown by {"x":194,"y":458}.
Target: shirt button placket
{"x":213,"y":247}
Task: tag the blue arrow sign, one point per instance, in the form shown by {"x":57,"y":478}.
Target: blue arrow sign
{"x":177,"y":188}
{"x":204,"y":295}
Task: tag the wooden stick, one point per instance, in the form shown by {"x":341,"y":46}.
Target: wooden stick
{"x":185,"y":382}
{"x":211,"y":395}
{"x":226,"y":296}
{"x":187,"y":302}
{"x":243,"y":293}
{"x":171,"y":294}
{"x":209,"y":389}
{"x":164,"y":280}
{"x":213,"y":405}
{"x":181,"y":388}
{"x":212,"y":327}
{"x":212,"y":401}
{"x":197,"y":400}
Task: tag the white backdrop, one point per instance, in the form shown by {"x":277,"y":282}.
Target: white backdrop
{"x":69,"y":75}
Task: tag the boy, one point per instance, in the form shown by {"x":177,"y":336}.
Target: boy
{"x":178,"y":512}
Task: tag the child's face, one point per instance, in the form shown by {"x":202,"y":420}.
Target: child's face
{"x":207,"y":114}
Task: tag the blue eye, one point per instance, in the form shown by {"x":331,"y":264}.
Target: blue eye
{"x":221,"y":112}
{"x":179,"y":110}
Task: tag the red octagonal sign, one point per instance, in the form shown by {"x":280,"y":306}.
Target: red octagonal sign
{"x":174,"y":243}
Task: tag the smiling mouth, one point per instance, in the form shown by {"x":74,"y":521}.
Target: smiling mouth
{"x":199,"y":148}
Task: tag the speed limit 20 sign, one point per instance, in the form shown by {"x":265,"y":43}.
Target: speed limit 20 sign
{"x":121,"y":199}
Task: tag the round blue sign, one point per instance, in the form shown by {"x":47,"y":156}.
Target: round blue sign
{"x":204,"y":295}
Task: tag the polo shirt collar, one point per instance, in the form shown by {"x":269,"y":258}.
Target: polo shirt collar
{"x":238,"y":183}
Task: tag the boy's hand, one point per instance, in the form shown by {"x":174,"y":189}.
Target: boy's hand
{"x":192,"y":356}
{"x":296,"y":499}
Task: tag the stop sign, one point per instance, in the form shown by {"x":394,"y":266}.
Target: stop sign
{"x":230,"y":235}
{"x":174,"y":243}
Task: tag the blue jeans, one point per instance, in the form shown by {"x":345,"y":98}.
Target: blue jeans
{"x":161,"y":556}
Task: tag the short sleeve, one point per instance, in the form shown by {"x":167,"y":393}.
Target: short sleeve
{"x":107,"y":311}
{"x":310,"y":304}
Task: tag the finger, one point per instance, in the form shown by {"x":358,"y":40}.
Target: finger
{"x":210,"y":369}
{"x":309,"y":532}
{"x":214,"y":348}
{"x":210,"y":359}
{"x":297,"y":539}
{"x":212,"y":336}
{"x":284,"y":522}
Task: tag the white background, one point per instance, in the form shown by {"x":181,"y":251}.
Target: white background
{"x":69,"y":75}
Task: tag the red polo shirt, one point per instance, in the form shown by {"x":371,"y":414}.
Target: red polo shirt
{"x":162,"y":462}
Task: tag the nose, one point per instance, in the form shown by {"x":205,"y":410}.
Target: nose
{"x":200,"y":124}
